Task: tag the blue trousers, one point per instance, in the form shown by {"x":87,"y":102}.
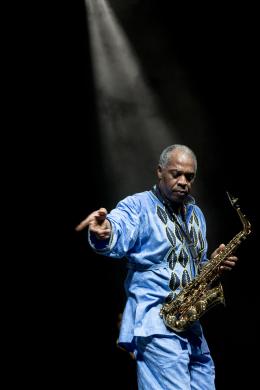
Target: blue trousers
{"x":174,"y":363}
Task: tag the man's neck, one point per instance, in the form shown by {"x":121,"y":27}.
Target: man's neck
{"x":176,"y":208}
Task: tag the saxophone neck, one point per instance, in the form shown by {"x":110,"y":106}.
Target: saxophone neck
{"x":243,"y":218}
{"x":245,"y":222}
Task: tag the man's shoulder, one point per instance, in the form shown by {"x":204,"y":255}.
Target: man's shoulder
{"x":138,"y":199}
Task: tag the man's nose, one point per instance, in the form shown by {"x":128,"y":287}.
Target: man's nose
{"x":182,"y":180}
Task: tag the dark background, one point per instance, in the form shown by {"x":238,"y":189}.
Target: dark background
{"x":216,"y":49}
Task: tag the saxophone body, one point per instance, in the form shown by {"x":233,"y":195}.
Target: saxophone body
{"x":199,"y":296}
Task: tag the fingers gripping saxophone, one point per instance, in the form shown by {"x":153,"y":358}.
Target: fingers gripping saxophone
{"x":198,"y":296}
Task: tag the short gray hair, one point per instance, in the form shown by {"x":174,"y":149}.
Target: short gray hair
{"x":164,"y":157}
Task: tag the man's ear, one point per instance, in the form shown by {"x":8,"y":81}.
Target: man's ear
{"x":159,"y":172}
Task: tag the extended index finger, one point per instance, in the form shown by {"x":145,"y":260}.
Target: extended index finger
{"x":83,"y":224}
{"x":99,"y":214}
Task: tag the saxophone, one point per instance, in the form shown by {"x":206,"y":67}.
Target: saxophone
{"x":198,"y":296}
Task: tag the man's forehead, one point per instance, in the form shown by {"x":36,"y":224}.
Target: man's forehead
{"x":180,"y":160}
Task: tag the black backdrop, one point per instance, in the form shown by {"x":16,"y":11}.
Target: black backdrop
{"x":216,"y":48}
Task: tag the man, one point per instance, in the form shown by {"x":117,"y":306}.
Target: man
{"x":162,"y":234}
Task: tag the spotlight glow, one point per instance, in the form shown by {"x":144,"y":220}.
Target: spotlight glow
{"x":133,"y":132}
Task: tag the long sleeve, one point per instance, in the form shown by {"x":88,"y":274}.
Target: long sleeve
{"x":125,"y":223}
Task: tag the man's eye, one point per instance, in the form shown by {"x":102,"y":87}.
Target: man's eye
{"x":190,"y":176}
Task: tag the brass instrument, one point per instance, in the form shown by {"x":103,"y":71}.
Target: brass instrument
{"x":198,"y":296}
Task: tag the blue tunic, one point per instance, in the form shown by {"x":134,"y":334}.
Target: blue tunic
{"x":159,"y":256}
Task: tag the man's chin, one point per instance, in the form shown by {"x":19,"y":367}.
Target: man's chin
{"x":179,"y":197}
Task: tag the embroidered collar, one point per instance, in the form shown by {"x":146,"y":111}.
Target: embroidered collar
{"x":168,"y":204}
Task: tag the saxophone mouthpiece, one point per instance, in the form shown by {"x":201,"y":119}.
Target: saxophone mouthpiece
{"x":233,"y":200}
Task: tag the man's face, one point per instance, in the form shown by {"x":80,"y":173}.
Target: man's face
{"x":176,"y":178}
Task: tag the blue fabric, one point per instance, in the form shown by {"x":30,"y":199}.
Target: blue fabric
{"x":163,"y":253}
{"x":158,"y":257}
{"x":165,"y":363}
